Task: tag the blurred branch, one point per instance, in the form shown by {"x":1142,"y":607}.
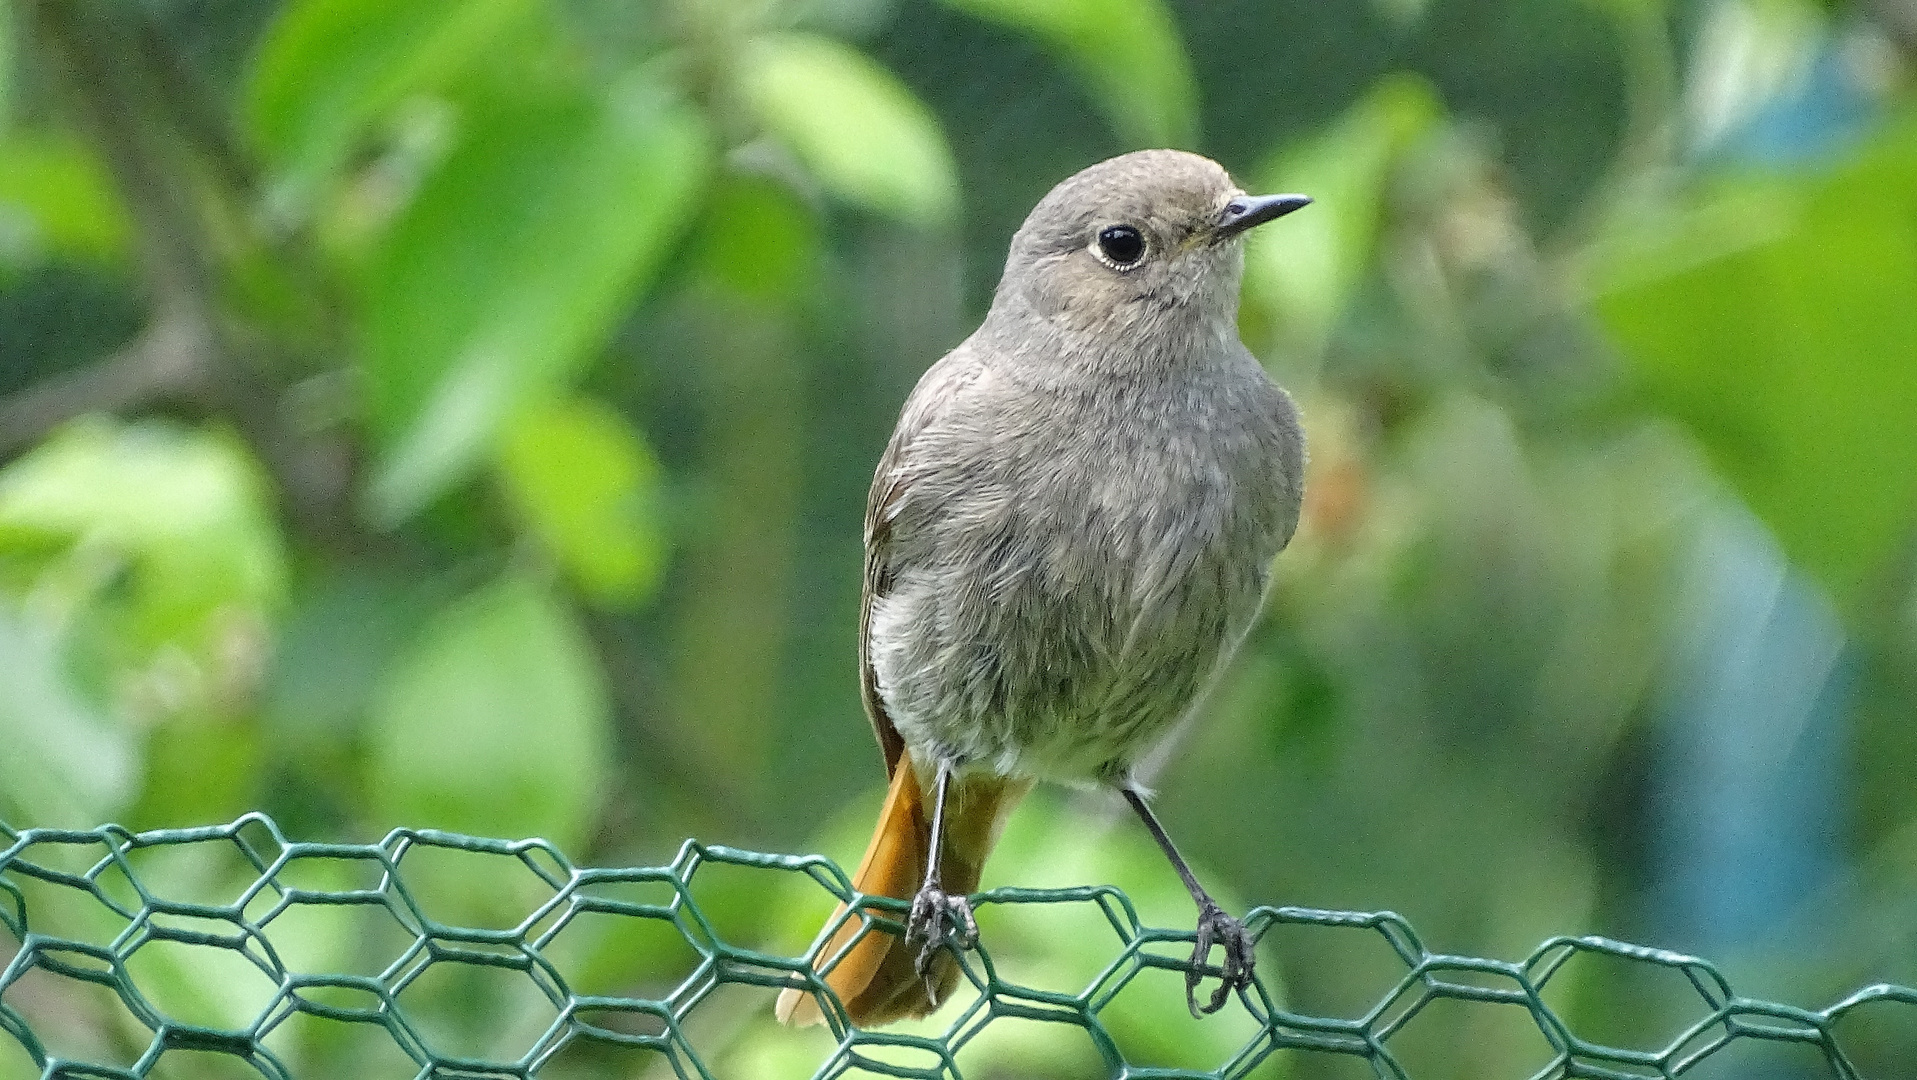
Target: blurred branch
{"x":313,"y":467}
{"x":179,"y":350}
{"x":115,"y":105}
{"x":160,"y":139}
{"x":167,"y":361}
{"x":194,"y":108}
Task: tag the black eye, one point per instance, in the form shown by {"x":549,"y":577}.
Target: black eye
{"x":1122,"y":244}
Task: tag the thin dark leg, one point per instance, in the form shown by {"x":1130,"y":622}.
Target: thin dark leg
{"x":1198,"y":893}
{"x":944,"y":783}
{"x":1213,"y":923}
{"x":938,"y":919}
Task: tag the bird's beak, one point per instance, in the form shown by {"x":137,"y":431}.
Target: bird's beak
{"x":1249,"y":211}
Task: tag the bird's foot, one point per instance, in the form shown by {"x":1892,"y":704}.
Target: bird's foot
{"x":938,"y":920}
{"x":1216,"y":927}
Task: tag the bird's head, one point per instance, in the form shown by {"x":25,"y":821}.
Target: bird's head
{"x":1142,"y":241}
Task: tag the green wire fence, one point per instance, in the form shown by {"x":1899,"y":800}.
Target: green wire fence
{"x":98,"y":888}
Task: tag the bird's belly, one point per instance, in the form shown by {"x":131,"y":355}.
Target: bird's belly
{"x":1062,"y":647}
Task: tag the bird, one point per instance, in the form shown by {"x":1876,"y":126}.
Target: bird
{"x":1069,"y":533}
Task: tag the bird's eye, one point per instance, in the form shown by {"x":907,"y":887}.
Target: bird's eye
{"x":1123,"y":245}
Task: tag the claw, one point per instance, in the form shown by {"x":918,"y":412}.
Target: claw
{"x":1214,"y":926}
{"x":939,"y":920}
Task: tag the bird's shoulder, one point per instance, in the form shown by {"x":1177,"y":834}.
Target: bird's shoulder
{"x":950,"y":387}
{"x":948,"y":391}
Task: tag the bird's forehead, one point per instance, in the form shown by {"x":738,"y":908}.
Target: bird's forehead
{"x":1160,"y":185}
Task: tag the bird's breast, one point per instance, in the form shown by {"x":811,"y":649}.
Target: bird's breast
{"x":1063,"y":599}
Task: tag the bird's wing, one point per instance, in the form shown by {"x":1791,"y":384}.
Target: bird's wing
{"x":878,"y":581}
{"x":936,"y":393}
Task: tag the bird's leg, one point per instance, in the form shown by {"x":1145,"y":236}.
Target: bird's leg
{"x":1213,"y":925}
{"x":938,"y":919}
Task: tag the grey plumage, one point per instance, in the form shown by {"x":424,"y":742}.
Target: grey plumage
{"x":1072,"y":527}
{"x":1067,"y":537}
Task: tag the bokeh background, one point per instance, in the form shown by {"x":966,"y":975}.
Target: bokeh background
{"x":458,"y":413}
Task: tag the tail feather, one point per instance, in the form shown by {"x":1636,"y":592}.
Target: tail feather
{"x":875,"y":977}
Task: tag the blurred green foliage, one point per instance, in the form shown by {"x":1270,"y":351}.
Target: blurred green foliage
{"x":458,"y":414}
{"x":1811,"y":284}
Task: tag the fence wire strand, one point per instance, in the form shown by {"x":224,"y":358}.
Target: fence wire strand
{"x":99,"y":878}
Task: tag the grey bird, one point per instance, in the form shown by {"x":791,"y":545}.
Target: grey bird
{"x":1068,"y":535}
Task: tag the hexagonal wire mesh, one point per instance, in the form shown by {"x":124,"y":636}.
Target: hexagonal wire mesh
{"x":98,"y":887}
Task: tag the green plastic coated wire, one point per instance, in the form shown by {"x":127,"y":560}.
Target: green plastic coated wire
{"x":101,"y":879}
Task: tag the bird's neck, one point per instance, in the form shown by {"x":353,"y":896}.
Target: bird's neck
{"x":1131,"y":341}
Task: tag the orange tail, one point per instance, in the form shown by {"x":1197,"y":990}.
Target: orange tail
{"x":875,"y":977}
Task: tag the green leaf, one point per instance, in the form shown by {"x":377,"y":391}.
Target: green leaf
{"x":1128,"y":53}
{"x":56,"y":199}
{"x":329,"y":69}
{"x":493,"y":722}
{"x":188,"y":511}
{"x":1306,"y":269}
{"x":1793,"y":357}
{"x":509,"y":270}
{"x":585,"y":483}
{"x":853,"y":124}
{"x":151,"y":567}
{"x":61,"y":763}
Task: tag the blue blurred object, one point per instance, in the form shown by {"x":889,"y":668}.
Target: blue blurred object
{"x":1825,"y":114}
{"x":1750,"y":771}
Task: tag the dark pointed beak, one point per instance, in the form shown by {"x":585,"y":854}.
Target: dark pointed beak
{"x":1249,"y":211}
